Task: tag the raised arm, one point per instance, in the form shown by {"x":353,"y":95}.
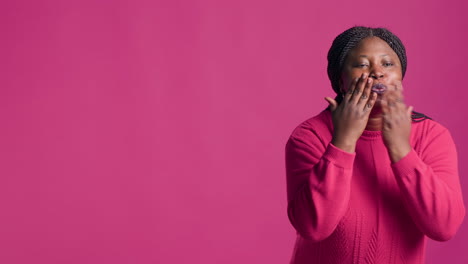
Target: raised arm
{"x":319,"y":169}
{"x":430,"y":186}
{"x":319,"y":181}
{"x":428,"y":179}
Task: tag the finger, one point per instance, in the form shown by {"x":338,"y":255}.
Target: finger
{"x":367,"y":92}
{"x":398,"y":91}
{"x":391,"y":98}
{"x":384,"y":105}
{"x":400,"y":105}
{"x":359,"y":88}
{"x":332,"y":104}
{"x":386,"y":114}
{"x":409,"y":111}
{"x":395,"y":109}
{"x":399,"y":86}
{"x":398,"y":94}
{"x":388,"y":101}
{"x":395,"y":102}
{"x":351,"y":88}
{"x":371,"y":102}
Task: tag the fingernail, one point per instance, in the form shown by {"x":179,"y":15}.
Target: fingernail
{"x":363,"y":76}
{"x":369,"y":80}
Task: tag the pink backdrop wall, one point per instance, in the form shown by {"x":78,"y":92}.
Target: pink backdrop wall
{"x":154,"y":131}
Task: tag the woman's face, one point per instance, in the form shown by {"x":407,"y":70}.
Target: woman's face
{"x":374,"y":57}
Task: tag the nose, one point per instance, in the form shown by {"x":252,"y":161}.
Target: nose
{"x":376,"y":73}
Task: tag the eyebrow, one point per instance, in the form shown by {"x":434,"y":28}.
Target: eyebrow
{"x":365,"y":56}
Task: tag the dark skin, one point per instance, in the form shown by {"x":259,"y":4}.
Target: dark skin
{"x":372,"y":61}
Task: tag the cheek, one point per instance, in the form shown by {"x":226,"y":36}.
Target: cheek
{"x":395,"y":81}
{"x":395,"y":76}
{"x":347,"y":80}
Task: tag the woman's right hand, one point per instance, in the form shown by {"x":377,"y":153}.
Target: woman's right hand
{"x":351,"y":115}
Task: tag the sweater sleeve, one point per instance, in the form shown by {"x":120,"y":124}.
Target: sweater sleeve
{"x":430,"y":186}
{"x":319,"y":182}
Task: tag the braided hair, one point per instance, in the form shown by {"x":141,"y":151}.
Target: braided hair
{"x":349,"y":39}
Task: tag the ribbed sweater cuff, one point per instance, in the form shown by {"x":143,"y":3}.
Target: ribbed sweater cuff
{"x":339,"y":157}
{"x":406,"y":165}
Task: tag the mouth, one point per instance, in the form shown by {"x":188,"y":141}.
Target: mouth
{"x":379,"y":88}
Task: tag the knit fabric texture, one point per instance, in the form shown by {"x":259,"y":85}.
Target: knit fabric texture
{"x":362,"y":208}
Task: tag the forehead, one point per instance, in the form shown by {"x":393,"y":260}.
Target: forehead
{"x":372,"y":46}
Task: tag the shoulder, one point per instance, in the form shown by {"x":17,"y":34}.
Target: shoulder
{"x":429,"y":132}
{"x":318,"y":127}
{"x":428,"y":128}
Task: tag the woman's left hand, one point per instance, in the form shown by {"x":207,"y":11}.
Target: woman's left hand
{"x":396,"y":127}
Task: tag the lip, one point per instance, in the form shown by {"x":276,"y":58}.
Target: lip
{"x":379,"y":88}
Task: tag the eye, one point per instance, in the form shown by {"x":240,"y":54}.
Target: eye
{"x":361,"y":65}
{"x":388,"y":64}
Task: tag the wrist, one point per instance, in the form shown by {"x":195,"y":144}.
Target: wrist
{"x":397,"y":153}
{"x":345,"y":145}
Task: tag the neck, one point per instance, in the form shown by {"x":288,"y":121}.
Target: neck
{"x":375,"y":120}
{"x":374,"y":124}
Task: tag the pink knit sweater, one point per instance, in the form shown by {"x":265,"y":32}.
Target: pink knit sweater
{"x":361,"y":208}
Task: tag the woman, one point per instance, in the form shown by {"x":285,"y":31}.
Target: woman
{"x":368,"y":178}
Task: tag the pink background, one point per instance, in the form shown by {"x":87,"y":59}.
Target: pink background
{"x":154,"y":131}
